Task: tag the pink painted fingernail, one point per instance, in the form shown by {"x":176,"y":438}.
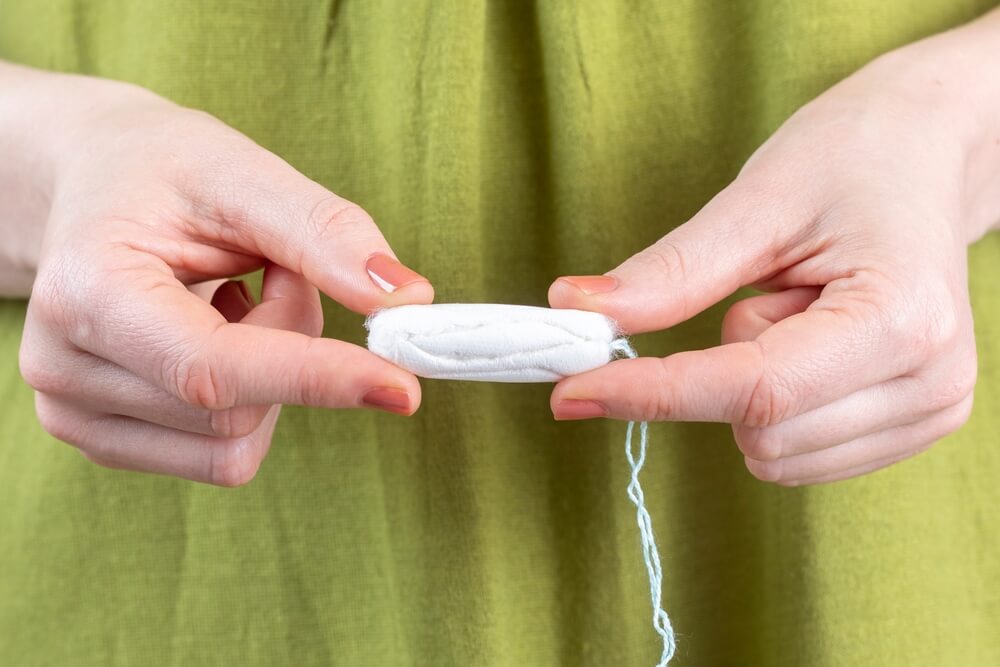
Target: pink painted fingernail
{"x":592,"y":284}
{"x":389,"y":274}
{"x":578,"y":408}
{"x":232,"y":299}
{"x":388,"y":398}
{"x":245,"y":291}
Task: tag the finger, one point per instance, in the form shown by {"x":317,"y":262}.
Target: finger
{"x":857,"y":471}
{"x":865,"y":453}
{"x":165,"y":334}
{"x":280,"y":214}
{"x":99,"y":386}
{"x":288,"y":301}
{"x":131,"y":444}
{"x":841,"y":343}
{"x":233,"y":300}
{"x":745,"y":233}
{"x":207,"y":289}
{"x":897,"y":402}
{"x":62,"y":372}
{"x":748,"y":318}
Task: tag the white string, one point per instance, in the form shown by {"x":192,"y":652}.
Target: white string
{"x":661,"y":623}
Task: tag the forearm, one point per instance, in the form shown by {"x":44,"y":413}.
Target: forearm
{"x":26,"y":174}
{"x":988,"y":153}
{"x":45,"y":119}
{"x":954,"y":75}
{"x":976,"y":49}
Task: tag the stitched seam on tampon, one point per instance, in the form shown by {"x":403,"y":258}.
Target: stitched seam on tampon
{"x":499,"y":372}
{"x":494,"y":357}
{"x":485,"y":325}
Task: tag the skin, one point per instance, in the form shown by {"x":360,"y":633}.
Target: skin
{"x":129,"y":205}
{"x":123,"y":214}
{"x":854,"y":218}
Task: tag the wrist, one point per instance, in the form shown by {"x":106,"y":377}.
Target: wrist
{"x":951,"y":78}
{"x":25,"y":175}
{"x":46,"y":119}
{"x":36,"y":118}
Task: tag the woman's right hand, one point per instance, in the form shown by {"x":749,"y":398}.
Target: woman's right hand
{"x":130,"y":365}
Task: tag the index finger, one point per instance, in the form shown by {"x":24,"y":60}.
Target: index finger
{"x":153,"y":326}
{"x":800,"y":363}
{"x":278,"y":213}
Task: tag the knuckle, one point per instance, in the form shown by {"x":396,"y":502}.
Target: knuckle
{"x":312,"y":390}
{"x":654,"y":408}
{"x":768,"y":404}
{"x":94,"y":458}
{"x":885,"y":311}
{"x":237,"y":422}
{"x":198,"y":383}
{"x":957,"y":416}
{"x":941,"y":330}
{"x":98,"y":458}
{"x":47,"y":299}
{"x":313,"y":386}
{"x":40,"y":373}
{"x":57,"y":292}
{"x":667,"y":259}
{"x":233,"y":463}
{"x":658,"y":405}
{"x":955,"y":390}
{"x":928,"y":321}
{"x":956,"y":387}
{"x":71,"y":295}
{"x":334,"y":217}
{"x":56,"y":422}
{"x":761,"y":444}
{"x":918,"y":449}
{"x":765,"y":471}
{"x":914,"y":447}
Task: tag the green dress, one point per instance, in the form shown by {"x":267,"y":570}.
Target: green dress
{"x":497,"y":145}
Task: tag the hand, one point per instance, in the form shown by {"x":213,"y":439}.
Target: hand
{"x":855,"y":218}
{"x":132,"y":367}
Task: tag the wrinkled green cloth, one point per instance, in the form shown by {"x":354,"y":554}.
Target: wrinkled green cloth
{"x":497,"y":145}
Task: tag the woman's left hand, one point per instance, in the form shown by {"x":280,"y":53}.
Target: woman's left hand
{"x":855,"y":219}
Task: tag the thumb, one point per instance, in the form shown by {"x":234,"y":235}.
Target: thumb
{"x":736,"y":239}
{"x":281,"y":215}
{"x":749,"y":318}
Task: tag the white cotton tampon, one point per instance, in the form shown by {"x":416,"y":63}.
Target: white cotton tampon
{"x":492,"y":342}
{"x":508,"y":343}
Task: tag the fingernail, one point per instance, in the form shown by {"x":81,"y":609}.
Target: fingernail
{"x":245,"y":291}
{"x":577,"y":408}
{"x":389,"y":274}
{"x":592,"y":284}
{"x":227,"y":300}
{"x":388,"y":398}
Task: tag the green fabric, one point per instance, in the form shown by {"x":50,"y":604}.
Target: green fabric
{"x":497,"y":145}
